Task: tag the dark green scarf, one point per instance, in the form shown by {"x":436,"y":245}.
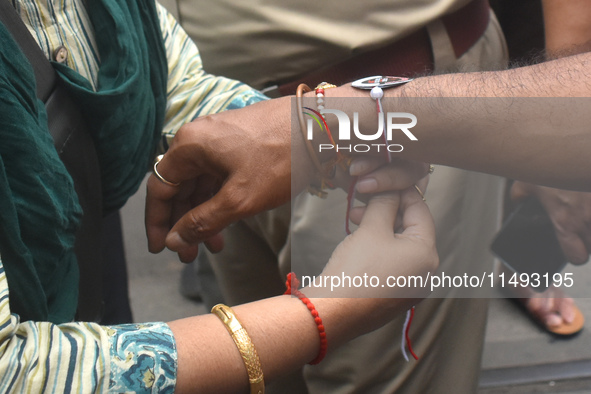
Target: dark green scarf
{"x":39,"y":210}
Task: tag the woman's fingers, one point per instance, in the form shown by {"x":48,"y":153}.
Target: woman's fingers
{"x":380,"y":213}
{"x":398,"y":175}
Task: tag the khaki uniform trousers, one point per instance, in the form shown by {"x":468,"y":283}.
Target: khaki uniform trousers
{"x":447,"y":333}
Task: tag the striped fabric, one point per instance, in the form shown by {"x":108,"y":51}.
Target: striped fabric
{"x":83,"y":357}
{"x":191,"y":91}
{"x":86,"y":357}
{"x":57,"y":23}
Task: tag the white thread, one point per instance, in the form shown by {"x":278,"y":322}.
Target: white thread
{"x":377,"y":93}
{"x":403,"y":343}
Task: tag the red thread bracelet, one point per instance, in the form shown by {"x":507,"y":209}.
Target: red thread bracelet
{"x":408,"y":344}
{"x":293,"y":290}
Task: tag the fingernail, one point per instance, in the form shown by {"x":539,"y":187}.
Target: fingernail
{"x":553,"y":321}
{"x":568,"y":316}
{"x":175,"y":242}
{"x":358,"y":166}
{"x":367,"y":185}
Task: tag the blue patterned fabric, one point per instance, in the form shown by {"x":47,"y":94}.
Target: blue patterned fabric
{"x":83,"y":357}
{"x":143,"y":358}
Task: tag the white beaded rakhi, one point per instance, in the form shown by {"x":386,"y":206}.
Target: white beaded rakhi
{"x":376,"y":84}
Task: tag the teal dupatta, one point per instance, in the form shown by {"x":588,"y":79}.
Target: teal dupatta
{"x":39,"y":210}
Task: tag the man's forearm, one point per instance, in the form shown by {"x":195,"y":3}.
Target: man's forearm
{"x":565,"y":77}
{"x":521,"y":123}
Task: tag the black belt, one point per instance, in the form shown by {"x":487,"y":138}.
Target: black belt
{"x":406,"y":57}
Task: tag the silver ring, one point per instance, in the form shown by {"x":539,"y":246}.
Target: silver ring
{"x":169,"y":183}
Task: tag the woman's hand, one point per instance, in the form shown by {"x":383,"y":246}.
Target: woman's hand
{"x":374,"y":251}
{"x":375,"y":175}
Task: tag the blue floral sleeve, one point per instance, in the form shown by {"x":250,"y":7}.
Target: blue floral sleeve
{"x":143,"y":358}
{"x":247,"y":98}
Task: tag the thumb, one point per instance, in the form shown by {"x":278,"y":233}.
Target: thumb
{"x":380,"y":213}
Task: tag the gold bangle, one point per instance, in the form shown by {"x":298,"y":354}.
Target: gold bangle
{"x":244,"y":345}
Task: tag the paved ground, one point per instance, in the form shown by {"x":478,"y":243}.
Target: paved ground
{"x":519,"y":357}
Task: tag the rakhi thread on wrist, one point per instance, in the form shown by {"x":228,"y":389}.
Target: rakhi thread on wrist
{"x":319,"y":117}
{"x":377,"y":93}
{"x":405,"y":337}
{"x":292,"y":283}
{"x":320,"y":120}
{"x":303,"y":88}
{"x":319,"y":91}
{"x":375,"y":84}
{"x":327,"y":171}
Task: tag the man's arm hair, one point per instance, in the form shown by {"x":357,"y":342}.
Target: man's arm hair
{"x":566,"y":77}
{"x":528,"y":123}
